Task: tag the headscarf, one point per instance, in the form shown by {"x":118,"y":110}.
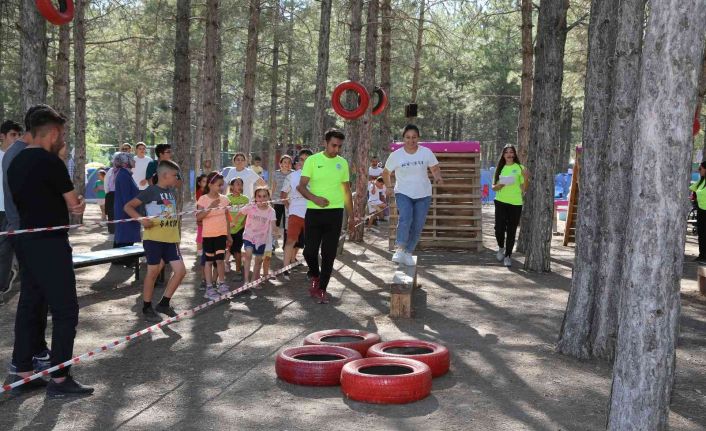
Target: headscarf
{"x":120,"y":161}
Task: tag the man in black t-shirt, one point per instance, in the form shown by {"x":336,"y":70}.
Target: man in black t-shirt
{"x":43,"y":193}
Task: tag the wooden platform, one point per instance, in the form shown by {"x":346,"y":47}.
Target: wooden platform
{"x":402,"y":286}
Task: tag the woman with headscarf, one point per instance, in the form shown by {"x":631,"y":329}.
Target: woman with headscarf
{"x":125,"y":190}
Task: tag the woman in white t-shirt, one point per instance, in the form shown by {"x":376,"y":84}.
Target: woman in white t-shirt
{"x":249,"y":177}
{"x":412,"y":190}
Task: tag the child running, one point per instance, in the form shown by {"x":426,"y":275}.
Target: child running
{"x":99,"y":189}
{"x":237,"y":200}
{"x":258,"y":233}
{"x":160,"y":238}
{"x":216,"y":234}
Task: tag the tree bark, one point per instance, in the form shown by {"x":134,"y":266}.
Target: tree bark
{"x":201,"y":153}
{"x":120,"y":130}
{"x":385,"y":73}
{"x":567,"y":117}
{"x":352,"y":127}
{"x":248,"y":105}
{"x":416,"y":70}
{"x":209,"y":95}
{"x":544,"y":137}
{"x":33,"y":55}
{"x":287,"y":114}
{"x":272,"y":148}
{"x":366,"y":136}
{"x":523,"y":123}
{"x":643,"y":374}
{"x":700,"y":99}
{"x":80,"y":97}
{"x":181,"y":97}
{"x":62,"y":89}
{"x":138,"y":116}
{"x":317,"y":129}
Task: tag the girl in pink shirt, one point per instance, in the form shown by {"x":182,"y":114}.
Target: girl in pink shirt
{"x":259,"y":229}
{"x":216,"y":233}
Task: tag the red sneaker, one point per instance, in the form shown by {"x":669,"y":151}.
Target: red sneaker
{"x":314,"y":289}
{"x":322,"y":297}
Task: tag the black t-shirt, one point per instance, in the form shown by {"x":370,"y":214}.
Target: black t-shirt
{"x":38,"y":180}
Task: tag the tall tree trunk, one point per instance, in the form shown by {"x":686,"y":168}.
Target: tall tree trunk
{"x":120,"y":130}
{"x":416,"y":69}
{"x":138,"y":116}
{"x":700,"y":98}
{"x":567,"y":117}
{"x":523,"y":123}
{"x":181,"y":97}
{"x":366,"y":135}
{"x":248,"y":105}
{"x":385,"y":72}
{"x":643,"y":374}
{"x":356,"y":28}
{"x":219,"y":142}
{"x":33,"y":55}
{"x":544,"y":137}
{"x":62,"y":89}
{"x":287,"y":115}
{"x":209,"y":111}
{"x":200,"y":152}
{"x":317,"y":129}
{"x":80,"y":97}
{"x":142,"y":133}
{"x":502,"y":105}
{"x":272,"y":148}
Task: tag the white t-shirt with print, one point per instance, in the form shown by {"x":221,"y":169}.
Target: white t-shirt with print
{"x":410,"y":170}
{"x":297,"y":202}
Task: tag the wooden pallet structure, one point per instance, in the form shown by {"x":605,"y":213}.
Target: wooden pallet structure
{"x":454,"y":218}
{"x":572,"y":211}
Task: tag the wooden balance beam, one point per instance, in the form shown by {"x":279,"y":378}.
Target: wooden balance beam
{"x":402,"y":287}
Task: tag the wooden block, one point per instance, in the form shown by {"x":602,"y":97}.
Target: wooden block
{"x":701,"y":278}
{"x":401,"y":297}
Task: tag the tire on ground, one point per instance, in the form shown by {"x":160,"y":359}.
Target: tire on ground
{"x":313,"y":365}
{"x":386,"y":380}
{"x":350,"y":338}
{"x":434,"y":355}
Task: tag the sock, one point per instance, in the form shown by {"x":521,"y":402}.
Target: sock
{"x":164,"y":301}
{"x":146,"y":305}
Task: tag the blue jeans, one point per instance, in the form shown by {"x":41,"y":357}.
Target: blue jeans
{"x":413,"y":215}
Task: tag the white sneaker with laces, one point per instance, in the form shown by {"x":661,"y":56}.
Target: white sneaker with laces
{"x":507,"y":262}
{"x":500,"y":255}
{"x":398,"y":256}
{"x":408,"y":259}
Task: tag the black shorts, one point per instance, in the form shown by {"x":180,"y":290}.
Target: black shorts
{"x":237,"y":245}
{"x":214,"y":248}
{"x":279,"y":214}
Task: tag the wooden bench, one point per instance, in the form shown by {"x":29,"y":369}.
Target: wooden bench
{"x":134,"y":252}
{"x":402,"y":287}
{"x":701,"y":278}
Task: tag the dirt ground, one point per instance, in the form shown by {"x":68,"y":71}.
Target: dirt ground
{"x":216,"y":369}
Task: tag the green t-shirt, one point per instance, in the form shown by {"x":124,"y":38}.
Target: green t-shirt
{"x":237,"y":200}
{"x":700,"y":194}
{"x":100,"y":190}
{"x":326,"y":177}
{"x":511,"y":193}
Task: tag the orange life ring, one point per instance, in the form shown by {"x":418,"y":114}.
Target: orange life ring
{"x":382,"y":101}
{"x":60,"y":16}
{"x":363,"y":100}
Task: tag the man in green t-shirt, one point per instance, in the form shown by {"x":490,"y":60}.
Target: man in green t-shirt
{"x":325,"y":182}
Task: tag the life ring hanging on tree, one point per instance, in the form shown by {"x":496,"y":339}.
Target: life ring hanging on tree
{"x":363,"y":100}
{"x":382,"y":101}
{"x":60,"y":16}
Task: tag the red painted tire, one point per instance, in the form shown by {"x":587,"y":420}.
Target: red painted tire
{"x":382,"y":101}
{"x":434,"y":355}
{"x":359,"y":341}
{"x":363,"y":100}
{"x":60,"y":16}
{"x":313,"y":365}
{"x":386,"y":380}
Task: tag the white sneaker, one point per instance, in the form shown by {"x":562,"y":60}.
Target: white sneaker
{"x":398,"y":257}
{"x":211,"y":294}
{"x":507,"y":262}
{"x":408,"y":259}
{"x":223,"y":289}
{"x":500,"y":255}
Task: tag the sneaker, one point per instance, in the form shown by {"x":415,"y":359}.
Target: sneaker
{"x":408,"y":259}
{"x":69,"y":387}
{"x":398,"y":256}
{"x":41,"y":361}
{"x":211,"y":293}
{"x":27,"y":387}
{"x":500,"y":255}
{"x":322,"y":297}
{"x":223,"y":288}
{"x":203,"y":285}
{"x":286,"y":276}
{"x":151,"y":316}
{"x":507,"y":262}
{"x":314,"y":289}
{"x":165,"y":309}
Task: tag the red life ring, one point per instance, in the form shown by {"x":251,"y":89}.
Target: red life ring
{"x":60,"y":16}
{"x":382,"y":101}
{"x":363,"y":100}
{"x":386,"y":380}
